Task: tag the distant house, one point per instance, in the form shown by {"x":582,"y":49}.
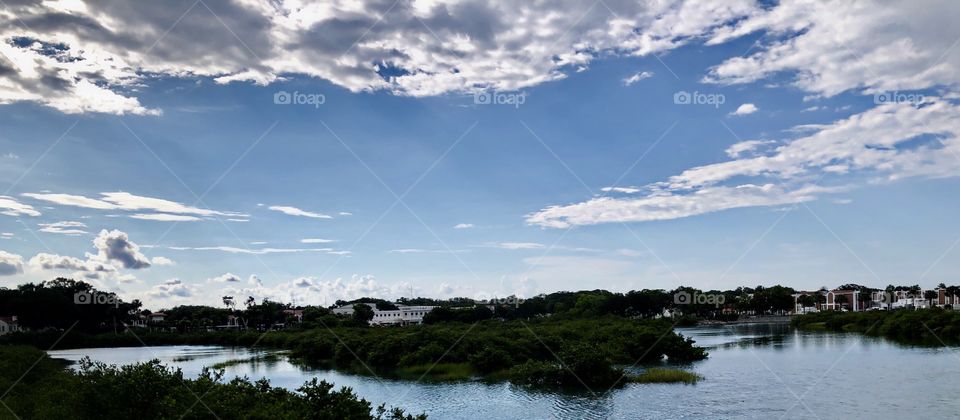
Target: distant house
{"x":9,"y":324}
{"x":158,"y":317}
{"x":403,"y":315}
{"x":296,"y":314}
{"x":944,"y":299}
{"x":139,"y":321}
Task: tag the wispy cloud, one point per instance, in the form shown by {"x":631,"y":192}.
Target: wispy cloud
{"x":316,"y":241}
{"x":293,"y":211}
{"x":636,"y":77}
{"x":166,"y":210}
{"x":64,"y":228}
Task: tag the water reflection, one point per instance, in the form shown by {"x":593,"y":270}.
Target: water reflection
{"x":754,"y":371}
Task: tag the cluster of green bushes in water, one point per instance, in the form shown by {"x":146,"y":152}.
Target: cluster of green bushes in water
{"x":40,"y":388}
{"x":935,"y":326}
{"x":552,"y":351}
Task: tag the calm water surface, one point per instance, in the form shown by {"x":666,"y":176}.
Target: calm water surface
{"x":754,"y":371}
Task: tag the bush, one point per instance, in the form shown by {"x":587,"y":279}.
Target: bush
{"x":150,"y":390}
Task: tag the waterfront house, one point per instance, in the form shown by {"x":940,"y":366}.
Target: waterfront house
{"x":403,"y":315}
{"x":158,"y":317}
{"x":9,"y":324}
{"x":295,"y":314}
{"x":944,"y":298}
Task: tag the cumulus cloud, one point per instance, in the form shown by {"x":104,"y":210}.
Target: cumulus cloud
{"x":162,"y":261}
{"x":463,"y":226}
{"x":313,"y":291}
{"x":293,"y":211}
{"x":90,"y":57}
{"x":745,"y":109}
{"x":883,"y":144}
{"x":132,"y":202}
{"x":636,"y":77}
{"x":225,"y":278}
{"x":10,"y":264}
{"x":64,"y":228}
{"x":115,"y":245}
{"x":173,"y":288}
{"x":11,"y":207}
{"x":47,"y":261}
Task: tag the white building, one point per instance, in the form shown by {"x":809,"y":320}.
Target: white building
{"x":8,"y":324}
{"x":403,"y":315}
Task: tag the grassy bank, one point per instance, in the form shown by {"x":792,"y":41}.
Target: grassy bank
{"x":525,"y":352}
{"x":665,"y":375}
{"x":40,"y":388}
{"x":936,"y":327}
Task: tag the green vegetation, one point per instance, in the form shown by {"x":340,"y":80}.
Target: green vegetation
{"x":523,"y":351}
{"x":665,"y":375}
{"x":149,"y":390}
{"x":934,"y":326}
{"x":561,"y":339}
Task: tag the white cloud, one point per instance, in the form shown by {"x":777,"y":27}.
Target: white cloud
{"x":162,"y":261}
{"x":345,"y":213}
{"x":162,"y":217}
{"x":886,"y":143}
{"x":293,"y":211}
{"x":130,"y":202}
{"x":426,"y":251}
{"x":11,"y":207}
{"x":738,"y":149}
{"x":91,"y":58}
{"x":316,"y":241}
{"x":623,"y":190}
{"x":636,"y":77}
{"x":64,"y":228}
{"x":745,"y":109}
{"x":10,"y":264}
{"x":312,"y":291}
{"x":463,"y":226}
{"x":45,"y":261}
{"x":519,"y":245}
{"x":833,"y":46}
{"x":173,"y":288}
{"x":225,"y":278}
{"x":251,"y":251}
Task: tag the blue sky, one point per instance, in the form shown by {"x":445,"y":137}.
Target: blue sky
{"x":815,"y":181}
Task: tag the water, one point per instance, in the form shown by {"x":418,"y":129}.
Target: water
{"x":754,"y":371}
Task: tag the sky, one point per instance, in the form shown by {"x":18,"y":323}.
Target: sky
{"x":177,"y":152}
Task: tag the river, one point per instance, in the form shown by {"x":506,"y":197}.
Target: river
{"x":754,"y":371}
